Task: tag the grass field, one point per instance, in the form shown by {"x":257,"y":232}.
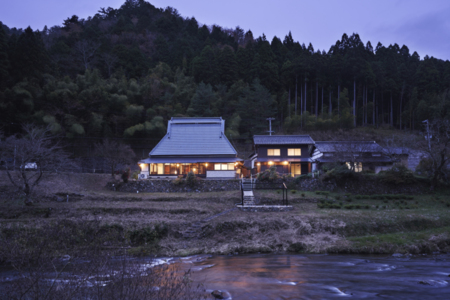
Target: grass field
{"x":319,"y":222}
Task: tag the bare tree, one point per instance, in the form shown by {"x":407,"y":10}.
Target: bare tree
{"x":110,"y":60}
{"x":86,"y":50}
{"x":33,"y":153}
{"x":437,"y":149}
{"x":114,"y":153}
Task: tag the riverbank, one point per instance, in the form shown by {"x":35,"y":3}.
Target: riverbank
{"x":81,"y":208}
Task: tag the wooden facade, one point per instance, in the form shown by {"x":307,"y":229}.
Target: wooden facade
{"x":291,"y":155}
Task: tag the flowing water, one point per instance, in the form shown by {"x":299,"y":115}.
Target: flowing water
{"x":309,"y":276}
{"x":325,"y":276}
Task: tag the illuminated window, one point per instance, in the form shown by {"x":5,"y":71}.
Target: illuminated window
{"x":295,"y":152}
{"x":224,"y":167}
{"x":358,"y":166}
{"x":273,"y":152}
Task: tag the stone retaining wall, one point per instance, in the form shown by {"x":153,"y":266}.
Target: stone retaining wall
{"x":360,"y":186}
{"x":168,"y":186}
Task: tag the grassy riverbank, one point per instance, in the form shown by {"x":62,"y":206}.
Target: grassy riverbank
{"x":155,"y":223}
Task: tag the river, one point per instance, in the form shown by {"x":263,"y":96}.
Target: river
{"x":288,"y":276}
{"x":325,"y":276}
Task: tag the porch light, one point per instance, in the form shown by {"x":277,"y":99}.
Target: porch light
{"x":206,"y":164}
{"x":270,"y":163}
{"x":258,"y":164}
{"x":178,"y":165}
{"x":285,"y":162}
{"x":175,"y":172}
{"x":195,"y":169}
{"x":142,"y":166}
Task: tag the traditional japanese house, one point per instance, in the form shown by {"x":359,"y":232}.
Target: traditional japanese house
{"x":357,"y":155}
{"x":192,"y":144}
{"x":291,"y":154}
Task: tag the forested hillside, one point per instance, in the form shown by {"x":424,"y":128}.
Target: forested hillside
{"x":124,"y":72}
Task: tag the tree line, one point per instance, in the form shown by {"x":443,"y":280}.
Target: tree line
{"x":125,"y":72}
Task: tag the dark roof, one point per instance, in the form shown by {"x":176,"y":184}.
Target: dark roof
{"x":194,"y":136}
{"x":192,"y":160}
{"x":358,"y":159}
{"x":282,"y":140}
{"x":266,"y":159}
{"x":347,"y":146}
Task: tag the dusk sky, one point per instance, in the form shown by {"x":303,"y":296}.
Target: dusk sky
{"x":424,"y":26}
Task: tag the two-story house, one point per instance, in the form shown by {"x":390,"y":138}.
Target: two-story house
{"x":291,"y":154}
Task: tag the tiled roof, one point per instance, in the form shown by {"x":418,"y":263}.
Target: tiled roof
{"x":348,"y":146}
{"x":282,"y":139}
{"x":194,"y":136}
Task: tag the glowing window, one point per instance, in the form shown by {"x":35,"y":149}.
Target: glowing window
{"x":295,"y":152}
{"x":273,"y":152}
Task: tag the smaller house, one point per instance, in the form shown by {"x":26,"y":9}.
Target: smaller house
{"x":357,"y":155}
{"x":197,"y":145}
{"x":291,"y":154}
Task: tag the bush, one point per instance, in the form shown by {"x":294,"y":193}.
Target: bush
{"x":398,"y":174}
{"x":179,"y":180}
{"x":270,"y":175}
{"x":339,"y":173}
{"x":135,"y":175}
{"x":125,"y":175}
{"x":191,"y":179}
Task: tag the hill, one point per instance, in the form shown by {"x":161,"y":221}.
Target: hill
{"x":124,"y":72}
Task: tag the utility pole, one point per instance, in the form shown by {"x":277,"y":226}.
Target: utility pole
{"x":270,"y":125}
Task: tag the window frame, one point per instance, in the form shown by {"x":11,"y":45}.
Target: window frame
{"x":274,"y":150}
{"x":294,"y":150}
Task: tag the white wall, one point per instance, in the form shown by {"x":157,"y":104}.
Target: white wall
{"x":227,"y":174}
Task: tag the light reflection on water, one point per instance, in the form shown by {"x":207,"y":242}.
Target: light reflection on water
{"x":325,"y":276}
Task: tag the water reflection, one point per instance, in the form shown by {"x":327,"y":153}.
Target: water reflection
{"x":326,"y":276}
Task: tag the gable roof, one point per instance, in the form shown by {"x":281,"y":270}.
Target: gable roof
{"x":282,"y":139}
{"x":194,"y":136}
{"x":356,"y":146}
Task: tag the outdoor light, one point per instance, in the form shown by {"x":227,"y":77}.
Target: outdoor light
{"x":206,"y":164}
{"x":175,"y":172}
{"x":285,"y":162}
{"x":195,"y":170}
{"x":142,"y":166}
{"x":178,"y":165}
{"x":270,"y":162}
{"x":258,"y":164}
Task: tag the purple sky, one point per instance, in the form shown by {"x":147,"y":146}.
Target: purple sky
{"x":422,"y":25}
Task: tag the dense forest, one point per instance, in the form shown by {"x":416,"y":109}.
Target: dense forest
{"x":124,"y":72}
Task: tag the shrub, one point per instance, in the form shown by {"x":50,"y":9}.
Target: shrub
{"x":270,"y":175}
{"x":179,"y":180}
{"x":125,"y":175}
{"x":339,"y":173}
{"x":293,"y":191}
{"x":135,"y":175}
{"x":398,"y":174}
{"x":191,"y":180}
{"x":303,"y":195}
